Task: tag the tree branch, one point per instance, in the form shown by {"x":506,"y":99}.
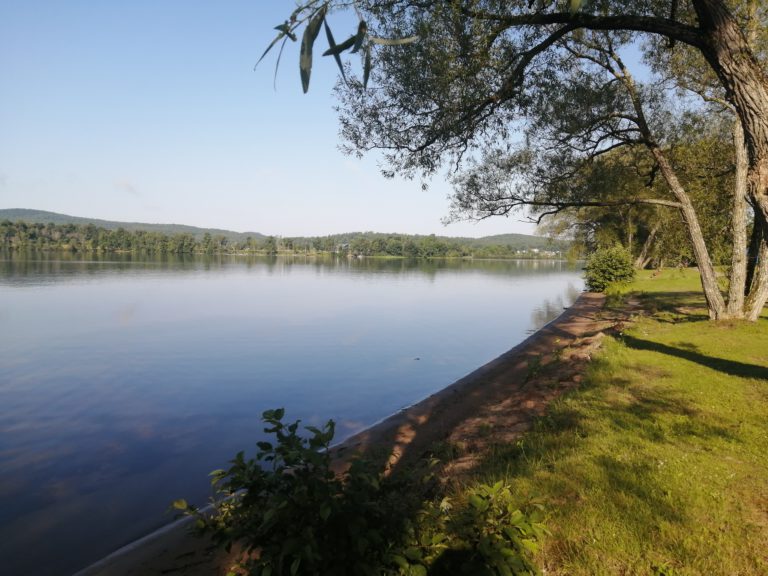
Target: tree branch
{"x":652,"y":24}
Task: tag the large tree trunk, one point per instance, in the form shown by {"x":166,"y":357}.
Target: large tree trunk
{"x":727,"y":50}
{"x":758,"y":288}
{"x":715,"y":301}
{"x":756,"y":284}
{"x":753,"y":253}
{"x":642,"y":259}
{"x":738,"y":276}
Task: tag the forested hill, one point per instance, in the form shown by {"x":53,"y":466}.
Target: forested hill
{"x":44,"y":217}
{"x":76,"y":233}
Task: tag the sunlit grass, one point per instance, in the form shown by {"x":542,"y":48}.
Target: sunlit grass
{"x":658,"y":464}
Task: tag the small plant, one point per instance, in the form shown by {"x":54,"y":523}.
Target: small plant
{"x":608,"y":267}
{"x":292,"y":515}
{"x":488,"y":535}
{"x":534,"y":367}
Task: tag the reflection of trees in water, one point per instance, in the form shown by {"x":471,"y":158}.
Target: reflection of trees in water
{"x":49,"y":267}
{"x":551,"y":308}
{"x":61,"y":266}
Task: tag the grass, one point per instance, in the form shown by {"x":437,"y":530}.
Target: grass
{"x":657,"y":465}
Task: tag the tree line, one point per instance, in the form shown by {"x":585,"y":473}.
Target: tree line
{"x":86,"y":238}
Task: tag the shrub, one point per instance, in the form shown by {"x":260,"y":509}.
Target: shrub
{"x":292,"y":515}
{"x":607,"y":267}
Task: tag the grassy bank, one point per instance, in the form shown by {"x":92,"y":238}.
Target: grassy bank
{"x":657,"y":465}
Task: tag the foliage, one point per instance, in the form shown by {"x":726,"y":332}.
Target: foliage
{"x":607,"y":267}
{"x":489,"y":535}
{"x":293,"y":515}
{"x":703,"y":160}
{"x":312,"y":15}
{"x":483,"y":72}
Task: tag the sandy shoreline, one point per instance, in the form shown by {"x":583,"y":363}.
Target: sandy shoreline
{"x":504,"y":395}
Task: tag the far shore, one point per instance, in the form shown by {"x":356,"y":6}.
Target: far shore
{"x":285,"y":253}
{"x":506,"y":392}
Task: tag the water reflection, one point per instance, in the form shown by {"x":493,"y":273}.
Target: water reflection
{"x":124,"y":380}
{"x":552,"y":308}
{"x":41,"y":268}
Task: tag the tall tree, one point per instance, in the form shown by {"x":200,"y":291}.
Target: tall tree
{"x":481,"y":64}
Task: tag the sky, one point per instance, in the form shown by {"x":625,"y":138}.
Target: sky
{"x":151,"y":111}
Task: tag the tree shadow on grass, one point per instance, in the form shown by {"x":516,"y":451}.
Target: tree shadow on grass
{"x":675,"y":307}
{"x":644,"y":412}
{"x":688,"y":352}
{"x":636,"y":481}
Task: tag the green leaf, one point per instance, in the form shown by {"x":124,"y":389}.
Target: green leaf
{"x":279,"y":56}
{"x":180,"y":504}
{"x":307,"y":42}
{"x":401,"y":562}
{"x":575,"y":5}
{"x":393,"y":41}
{"x":367,"y":67}
{"x":333,"y":47}
{"x":285,"y":32}
{"x":295,"y":566}
{"x":265,"y":446}
{"x":339,"y":48}
{"x":271,"y":44}
{"x":413,"y":554}
{"x":478,"y":503}
{"x":362,"y":31}
{"x":417,"y":570}
{"x":438,"y":538}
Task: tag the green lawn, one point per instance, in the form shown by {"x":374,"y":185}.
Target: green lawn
{"x":658,"y":464}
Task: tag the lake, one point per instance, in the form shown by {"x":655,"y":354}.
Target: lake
{"x":125,"y":379}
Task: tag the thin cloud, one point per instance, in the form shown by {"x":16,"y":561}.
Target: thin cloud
{"x":127,"y":187}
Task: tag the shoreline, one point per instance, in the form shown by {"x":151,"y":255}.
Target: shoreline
{"x":510,"y":383}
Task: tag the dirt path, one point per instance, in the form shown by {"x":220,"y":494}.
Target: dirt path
{"x":495,"y":403}
{"x":498,"y":401}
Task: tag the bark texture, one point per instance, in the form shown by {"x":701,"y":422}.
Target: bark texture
{"x":727,"y":50}
{"x":738,"y":277}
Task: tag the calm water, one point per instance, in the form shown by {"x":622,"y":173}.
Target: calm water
{"x":124,"y":381}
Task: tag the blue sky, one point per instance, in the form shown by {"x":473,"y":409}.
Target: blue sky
{"x":151,"y":111}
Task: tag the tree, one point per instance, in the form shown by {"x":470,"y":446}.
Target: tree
{"x":480,"y":66}
{"x":590,"y":112}
{"x":270,"y":245}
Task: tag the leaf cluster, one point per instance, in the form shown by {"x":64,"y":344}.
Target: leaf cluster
{"x":487,"y":535}
{"x":313,"y":15}
{"x":292,"y":515}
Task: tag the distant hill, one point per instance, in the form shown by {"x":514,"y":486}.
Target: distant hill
{"x":44,"y":217}
{"x":514,"y":241}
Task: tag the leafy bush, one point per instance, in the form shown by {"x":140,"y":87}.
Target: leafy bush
{"x":488,"y":535}
{"x":608,"y":266}
{"x":292,"y":515}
